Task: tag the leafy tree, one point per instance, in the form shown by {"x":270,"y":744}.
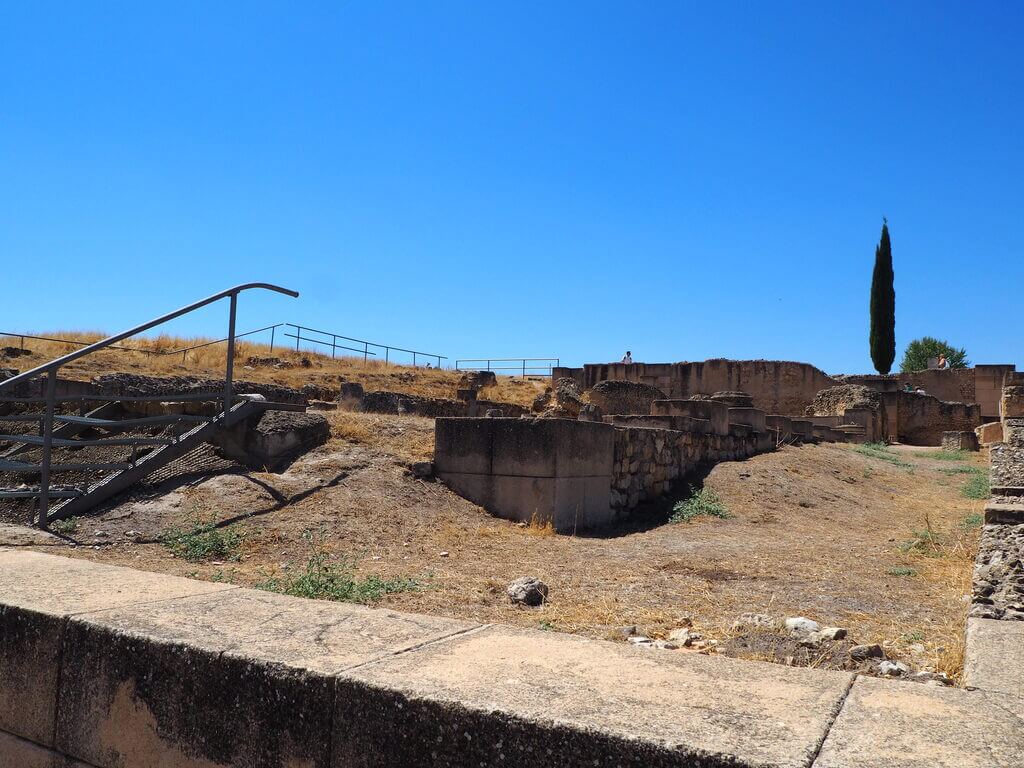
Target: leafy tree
{"x":919,"y":350}
{"x":883,"y":306}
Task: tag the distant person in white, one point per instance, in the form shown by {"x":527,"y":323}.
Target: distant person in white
{"x":628,"y":359}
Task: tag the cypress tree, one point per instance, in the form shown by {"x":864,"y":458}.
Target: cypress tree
{"x":883,"y":306}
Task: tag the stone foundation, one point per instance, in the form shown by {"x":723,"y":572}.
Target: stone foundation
{"x":959,"y":441}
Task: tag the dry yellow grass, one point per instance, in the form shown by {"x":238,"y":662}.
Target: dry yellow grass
{"x":147,"y":356}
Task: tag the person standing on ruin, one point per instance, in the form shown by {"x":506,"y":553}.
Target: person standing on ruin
{"x":628,"y":359}
{"x":942,"y":361}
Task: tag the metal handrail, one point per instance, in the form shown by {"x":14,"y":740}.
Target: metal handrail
{"x":184,"y":350}
{"x":551,"y":363}
{"x":50,"y":369}
{"x":388,"y":349}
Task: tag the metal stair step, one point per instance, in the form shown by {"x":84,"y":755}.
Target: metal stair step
{"x":61,"y":442}
{"x":25,"y":467}
{"x":32,"y":493}
{"x":90,"y":421}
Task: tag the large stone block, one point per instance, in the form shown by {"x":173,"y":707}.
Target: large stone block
{"x":551,"y":448}
{"x":463,"y":445}
{"x":994,"y":659}
{"x":752,"y":417}
{"x":717,"y":414}
{"x":242,"y":678}
{"x":19,"y":753}
{"x":990,"y":433}
{"x":890,"y":724}
{"x":39,"y":592}
{"x":503,"y":696}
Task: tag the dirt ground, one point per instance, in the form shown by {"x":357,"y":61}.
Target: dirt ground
{"x":825,"y":532}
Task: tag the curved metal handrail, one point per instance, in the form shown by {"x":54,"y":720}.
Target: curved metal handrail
{"x":46,"y":438}
{"x":59,"y":362}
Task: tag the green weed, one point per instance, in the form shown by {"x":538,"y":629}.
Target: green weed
{"x":65,"y":527}
{"x":203,"y":541}
{"x":946,"y":455}
{"x":327,"y":578}
{"x":927,"y":543}
{"x":972,"y":521}
{"x":976,"y":488}
{"x":902,"y":571}
{"x":963,"y":470}
{"x":882,"y":452}
{"x":702,"y":503}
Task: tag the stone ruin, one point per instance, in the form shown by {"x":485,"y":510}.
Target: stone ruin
{"x":576,"y":469}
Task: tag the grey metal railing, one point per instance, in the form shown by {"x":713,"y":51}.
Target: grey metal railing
{"x":523,"y":365}
{"x":365,"y":351}
{"x":50,"y":369}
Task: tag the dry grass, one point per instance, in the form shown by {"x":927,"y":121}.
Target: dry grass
{"x":410,"y":438}
{"x":139,"y":356}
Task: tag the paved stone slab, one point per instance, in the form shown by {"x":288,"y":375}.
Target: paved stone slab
{"x":39,"y":592}
{"x":240,"y":678}
{"x":504,"y":696}
{"x":18,"y":753}
{"x":893,"y":724}
{"x":994,"y":660}
{"x":22,"y":535}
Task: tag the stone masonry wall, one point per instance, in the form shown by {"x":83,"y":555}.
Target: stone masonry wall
{"x":648,"y":461}
{"x":777,"y":386}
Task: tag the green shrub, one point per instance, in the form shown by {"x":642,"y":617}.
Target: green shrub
{"x":203,"y":541}
{"x":702,"y":503}
{"x":964,"y":470}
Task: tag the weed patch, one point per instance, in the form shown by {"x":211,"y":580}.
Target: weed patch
{"x":203,"y":541}
{"x":962,"y":470}
{"x":972,"y":521}
{"x":702,"y":503}
{"x":65,"y":527}
{"x":927,"y":543}
{"x":976,"y":487}
{"x":946,"y":455}
{"x":327,"y":578}
{"x":882,"y":452}
{"x":902,"y":571}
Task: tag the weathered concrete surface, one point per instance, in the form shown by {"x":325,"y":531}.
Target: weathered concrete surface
{"x":18,"y":753}
{"x":887,"y":724}
{"x":164,"y":684}
{"x":37,"y":594}
{"x":994,"y":660}
{"x":504,"y":696}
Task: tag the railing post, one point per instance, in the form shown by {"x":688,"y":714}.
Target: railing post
{"x":524,"y":367}
{"x":387,"y":355}
{"x":230,"y":372}
{"x":272,"y":329}
{"x":334,"y":342}
{"x":44,"y":474}
{"x":413,"y":359}
{"x":366,"y":350}
{"x":298,"y":334}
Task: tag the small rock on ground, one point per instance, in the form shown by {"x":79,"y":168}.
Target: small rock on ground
{"x":527,"y":590}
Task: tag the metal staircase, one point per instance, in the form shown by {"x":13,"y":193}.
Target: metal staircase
{"x":102,"y":449}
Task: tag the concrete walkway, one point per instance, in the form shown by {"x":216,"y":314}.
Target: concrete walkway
{"x":115,"y":668}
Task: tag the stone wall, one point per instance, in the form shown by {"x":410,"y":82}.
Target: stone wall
{"x":433,"y":407}
{"x":624,"y":397}
{"x":922,"y":419}
{"x":778,"y":387}
{"x":648,"y":462}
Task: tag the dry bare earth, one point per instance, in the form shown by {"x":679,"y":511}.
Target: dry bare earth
{"x":815,"y":531}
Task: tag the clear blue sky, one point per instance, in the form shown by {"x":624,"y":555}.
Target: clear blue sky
{"x":532,"y":178}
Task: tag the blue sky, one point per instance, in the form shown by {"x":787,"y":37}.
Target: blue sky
{"x":539,"y":179}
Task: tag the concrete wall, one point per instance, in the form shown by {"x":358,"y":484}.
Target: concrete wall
{"x":104,"y":667}
{"x":544,"y":470}
{"x":582,"y":475}
{"x":776,"y":386}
